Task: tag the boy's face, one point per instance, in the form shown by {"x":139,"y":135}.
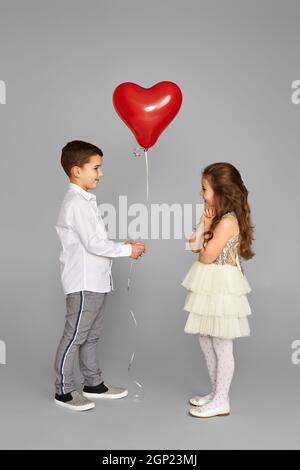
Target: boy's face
{"x":89,"y":175}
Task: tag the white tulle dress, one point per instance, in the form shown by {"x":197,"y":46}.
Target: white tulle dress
{"x":217,"y":299}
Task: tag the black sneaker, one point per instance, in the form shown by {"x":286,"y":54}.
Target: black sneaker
{"x":74,"y":401}
{"x":104,"y":390}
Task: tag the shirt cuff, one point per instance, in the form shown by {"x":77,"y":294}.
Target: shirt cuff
{"x":126,"y":249}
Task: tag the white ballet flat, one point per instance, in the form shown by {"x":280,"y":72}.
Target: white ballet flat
{"x":198,"y":401}
{"x":220,"y":411}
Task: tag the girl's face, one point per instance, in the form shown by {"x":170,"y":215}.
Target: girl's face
{"x":207,"y":192}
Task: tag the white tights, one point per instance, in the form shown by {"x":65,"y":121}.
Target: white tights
{"x":218,"y":353}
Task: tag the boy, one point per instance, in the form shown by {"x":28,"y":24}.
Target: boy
{"x":85,"y":265}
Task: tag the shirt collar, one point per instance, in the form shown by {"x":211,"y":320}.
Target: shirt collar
{"x":84,"y":193}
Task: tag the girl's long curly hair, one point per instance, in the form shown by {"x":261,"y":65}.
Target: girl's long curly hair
{"x":230,"y":194}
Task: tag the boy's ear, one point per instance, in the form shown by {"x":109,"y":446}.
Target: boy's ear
{"x":75,"y":170}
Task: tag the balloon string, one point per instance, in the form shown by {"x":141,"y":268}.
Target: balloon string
{"x":137,"y":153}
{"x":139,"y":384}
{"x":147,"y":173}
{"x":129,"y":279}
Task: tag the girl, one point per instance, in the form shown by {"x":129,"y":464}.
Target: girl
{"x":217,"y":286}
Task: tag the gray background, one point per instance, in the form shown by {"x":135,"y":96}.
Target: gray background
{"x":235,"y":62}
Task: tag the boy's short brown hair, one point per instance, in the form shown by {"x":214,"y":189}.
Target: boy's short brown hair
{"x":77,"y":153}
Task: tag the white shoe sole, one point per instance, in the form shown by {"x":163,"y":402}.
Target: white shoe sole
{"x":86,"y":407}
{"x":112,"y":396}
{"x":196,"y":415}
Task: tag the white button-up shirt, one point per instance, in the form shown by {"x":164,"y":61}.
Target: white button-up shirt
{"x":85,"y":258}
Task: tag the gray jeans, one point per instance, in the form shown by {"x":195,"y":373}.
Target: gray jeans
{"x":82,"y":331}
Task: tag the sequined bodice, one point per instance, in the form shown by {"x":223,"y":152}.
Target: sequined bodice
{"x":229,"y":254}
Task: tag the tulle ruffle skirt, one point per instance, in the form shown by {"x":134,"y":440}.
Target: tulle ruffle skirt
{"x":217,"y":300}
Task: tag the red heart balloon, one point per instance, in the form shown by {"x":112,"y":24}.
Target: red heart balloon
{"x":147,"y":111}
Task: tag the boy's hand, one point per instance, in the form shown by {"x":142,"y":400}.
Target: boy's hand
{"x":134,"y":242}
{"x":138,"y":249}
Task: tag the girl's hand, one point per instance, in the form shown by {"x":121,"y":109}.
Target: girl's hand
{"x":193,"y":242}
{"x":209,"y":212}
